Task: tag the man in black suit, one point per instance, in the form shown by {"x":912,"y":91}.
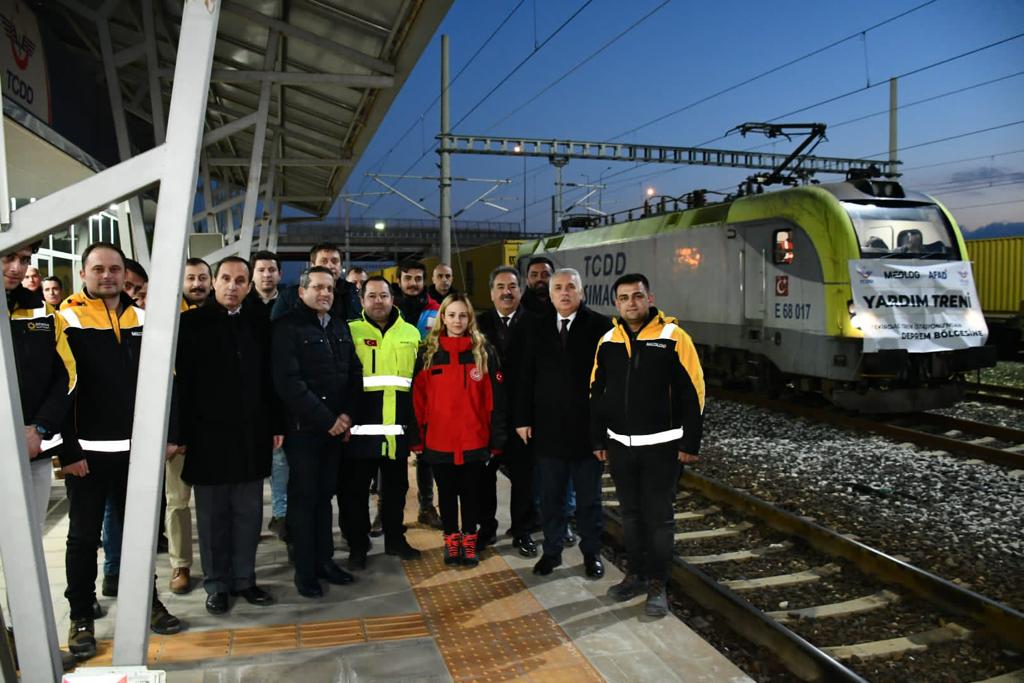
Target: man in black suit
{"x":504,"y":327}
{"x":552,"y":410}
{"x":537,"y":296}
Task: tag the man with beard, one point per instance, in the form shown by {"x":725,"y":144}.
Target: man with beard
{"x":537,"y":298}
{"x":420,"y":311}
{"x":178,"y":493}
{"x":442,"y":283}
{"x":505,"y":327}
{"x":198,"y":280}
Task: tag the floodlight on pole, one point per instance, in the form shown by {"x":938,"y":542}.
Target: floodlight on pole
{"x":379,"y":225}
{"x":650,"y":192}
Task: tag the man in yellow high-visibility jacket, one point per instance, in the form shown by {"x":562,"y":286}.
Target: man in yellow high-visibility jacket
{"x":386,"y":346}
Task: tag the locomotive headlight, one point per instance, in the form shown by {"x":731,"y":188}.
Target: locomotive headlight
{"x":855,"y":320}
{"x":850,"y":308}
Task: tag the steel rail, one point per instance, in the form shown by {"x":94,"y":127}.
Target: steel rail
{"x":800,"y":657}
{"x":1002,"y":621}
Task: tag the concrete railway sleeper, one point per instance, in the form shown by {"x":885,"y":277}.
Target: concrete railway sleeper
{"x":857,"y":620}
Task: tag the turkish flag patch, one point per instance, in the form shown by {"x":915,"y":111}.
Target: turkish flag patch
{"x":499,"y":377}
{"x":370,"y":342}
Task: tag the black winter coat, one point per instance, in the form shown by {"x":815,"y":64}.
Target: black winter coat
{"x":316,"y":372}
{"x":553,"y":385}
{"x":227,"y":410}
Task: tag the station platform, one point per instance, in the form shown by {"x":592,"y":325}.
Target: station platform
{"x":411,"y":621}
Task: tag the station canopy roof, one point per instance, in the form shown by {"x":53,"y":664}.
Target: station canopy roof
{"x":339,"y":64}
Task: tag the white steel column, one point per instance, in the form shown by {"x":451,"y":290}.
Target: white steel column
{"x":153,"y":397}
{"x":156,"y":100}
{"x":21,"y":538}
{"x":140,"y":248}
{"x":268,"y":194}
{"x":252,"y":191}
{"x":211,"y":217}
{"x":275,"y":228}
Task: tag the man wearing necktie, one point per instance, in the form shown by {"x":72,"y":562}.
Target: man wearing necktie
{"x":505,"y":326}
{"x":551,"y":411}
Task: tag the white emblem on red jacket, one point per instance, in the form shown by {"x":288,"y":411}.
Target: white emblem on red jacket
{"x":476,"y":375}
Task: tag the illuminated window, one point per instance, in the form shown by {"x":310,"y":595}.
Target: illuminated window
{"x":783,"y":252}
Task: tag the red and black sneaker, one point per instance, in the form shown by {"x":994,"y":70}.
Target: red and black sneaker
{"x":452,"y":546}
{"x":469,"y":557}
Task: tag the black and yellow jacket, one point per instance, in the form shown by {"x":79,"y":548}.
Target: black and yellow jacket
{"x":647,"y":388}
{"x":106,"y":347}
{"x":45,"y":364}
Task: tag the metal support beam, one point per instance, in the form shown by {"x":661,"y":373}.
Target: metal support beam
{"x":129,"y":55}
{"x":156,"y":100}
{"x":229,"y":129}
{"x":310,"y":162}
{"x":153,"y":397}
{"x":255,"y":165}
{"x":34,"y":220}
{"x":275,"y":228}
{"x":299,"y":78}
{"x":211,"y":217}
{"x":446,"y":160}
{"x":221,"y":207}
{"x":140,"y":248}
{"x":349,"y":53}
{"x":268,"y":194}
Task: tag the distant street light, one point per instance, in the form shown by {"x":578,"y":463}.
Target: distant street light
{"x":379,"y":225}
{"x":650,"y":192}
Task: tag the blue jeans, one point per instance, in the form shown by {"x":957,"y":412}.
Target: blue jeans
{"x":279,"y":485}
{"x":112,"y":529}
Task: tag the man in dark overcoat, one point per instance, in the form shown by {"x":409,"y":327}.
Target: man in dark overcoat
{"x":552,"y":411}
{"x":504,"y":327}
{"x":229,"y":425}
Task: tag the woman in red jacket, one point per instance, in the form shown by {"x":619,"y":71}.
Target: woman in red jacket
{"x":460,"y":412}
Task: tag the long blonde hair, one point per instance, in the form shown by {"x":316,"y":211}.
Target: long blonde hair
{"x":433,"y":341}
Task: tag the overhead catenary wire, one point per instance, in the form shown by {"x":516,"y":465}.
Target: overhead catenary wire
{"x":578,"y":65}
{"x":978,"y":206}
{"x":533,"y":53}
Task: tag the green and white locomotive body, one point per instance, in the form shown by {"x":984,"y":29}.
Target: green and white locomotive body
{"x":762,"y":284}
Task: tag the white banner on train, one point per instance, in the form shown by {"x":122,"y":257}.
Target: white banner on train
{"x":917,"y":306}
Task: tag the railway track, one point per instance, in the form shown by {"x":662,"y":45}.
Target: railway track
{"x":954,"y":436}
{"x":830,"y":608}
{"x":996,"y":394}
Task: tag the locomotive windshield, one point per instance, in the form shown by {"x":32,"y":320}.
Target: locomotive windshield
{"x":904,"y":230}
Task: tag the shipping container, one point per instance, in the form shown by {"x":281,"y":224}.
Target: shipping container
{"x":999,"y":274}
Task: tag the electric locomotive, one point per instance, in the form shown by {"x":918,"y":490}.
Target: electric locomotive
{"x":762,"y":283}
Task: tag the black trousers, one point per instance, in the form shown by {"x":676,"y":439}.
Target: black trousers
{"x":460,"y":484}
{"x":313,"y":462}
{"x":517,"y":464}
{"x":229,"y":518}
{"x":87,"y":501}
{"x":646,"y":479}
{"x":354,"y":516}
{"x":585,"y":474}
{"x":424,"y":484}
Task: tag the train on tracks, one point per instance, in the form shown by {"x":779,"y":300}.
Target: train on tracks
{"x":762,"y":283}
{"x":999,"y":272}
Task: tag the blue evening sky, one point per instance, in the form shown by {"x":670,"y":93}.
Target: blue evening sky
{"x":684,"y":52}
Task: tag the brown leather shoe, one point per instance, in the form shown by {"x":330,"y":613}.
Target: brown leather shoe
{"x":181,"y":581}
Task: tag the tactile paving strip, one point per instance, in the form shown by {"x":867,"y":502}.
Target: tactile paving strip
{"x":193,"y":646}
{"x":488,"y":625}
